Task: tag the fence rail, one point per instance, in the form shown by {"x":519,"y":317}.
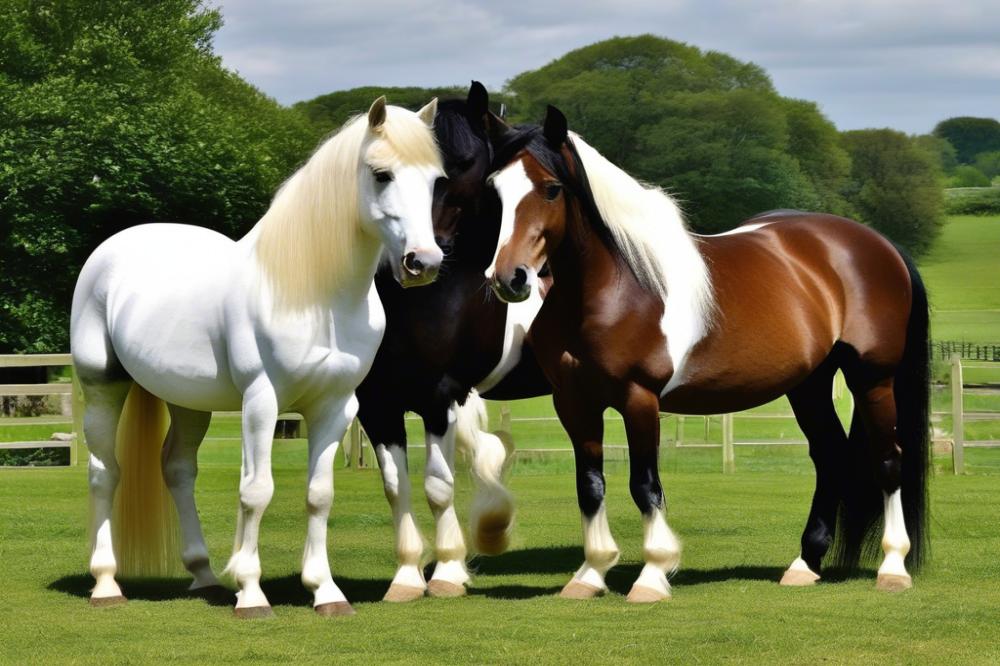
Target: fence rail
{"x":53,"y":388}
{"x":968,"y":351}
{"x":355,"y":441}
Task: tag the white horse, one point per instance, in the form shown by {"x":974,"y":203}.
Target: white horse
{"x":287,"y":318}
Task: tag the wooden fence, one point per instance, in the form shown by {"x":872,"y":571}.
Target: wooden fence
{"x":71,"y":388}
{"x":355,"y":442}
{"x":959,"y":416}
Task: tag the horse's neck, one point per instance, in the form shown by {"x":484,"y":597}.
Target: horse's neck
{"x":581,"y":264}
{"x":367,"y":253}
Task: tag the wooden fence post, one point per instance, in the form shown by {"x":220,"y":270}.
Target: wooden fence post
{"x":728,"y":453}
{"x":77,"y":407}
{"x":680,"y":430}
{"x":957,"y":416}
{"x":355,"y":454}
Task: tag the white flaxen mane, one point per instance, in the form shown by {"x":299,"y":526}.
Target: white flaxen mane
{"x":648,"y":227}
{"x":307,"y":238}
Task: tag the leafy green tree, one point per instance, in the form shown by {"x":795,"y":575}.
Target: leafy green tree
{"x":970,"y":136}
{"x":705,"y":126}
{"x":941,"y":149}
{"x":116,"y":113}
{"x":989,"y":163}
{"x":968,"y":176}
{"x":895,"y":187}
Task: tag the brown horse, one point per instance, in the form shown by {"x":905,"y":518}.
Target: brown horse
{"x":646,"y":317}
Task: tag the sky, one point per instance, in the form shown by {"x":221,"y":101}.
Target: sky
{"x":904,"y":64}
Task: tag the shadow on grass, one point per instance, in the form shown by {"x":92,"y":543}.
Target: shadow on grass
{"x":284,"y":591}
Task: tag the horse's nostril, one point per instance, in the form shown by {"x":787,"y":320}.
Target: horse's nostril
{"x":520,"y":278}
{"x":412,"y":264}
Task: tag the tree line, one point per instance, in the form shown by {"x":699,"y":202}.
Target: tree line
{"x":116,"y":113}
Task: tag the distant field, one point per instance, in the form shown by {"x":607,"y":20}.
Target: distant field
{"x":962,"y":273}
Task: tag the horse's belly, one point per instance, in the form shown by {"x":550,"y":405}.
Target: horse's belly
{"x":173,"y":355}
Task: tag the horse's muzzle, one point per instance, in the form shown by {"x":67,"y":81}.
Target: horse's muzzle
{"x":420,"y":266}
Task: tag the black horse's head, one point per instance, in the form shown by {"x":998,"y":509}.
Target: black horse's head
{"x":463,"y":203}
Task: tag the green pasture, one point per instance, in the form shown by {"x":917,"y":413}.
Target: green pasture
{"x":962,"y":272}
{"x":739,"y":532}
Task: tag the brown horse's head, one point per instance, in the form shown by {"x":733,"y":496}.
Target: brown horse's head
{"x":531,"y":181}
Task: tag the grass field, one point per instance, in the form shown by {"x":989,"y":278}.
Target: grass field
{"x":962,"y":273}
{"x":739,"y":532}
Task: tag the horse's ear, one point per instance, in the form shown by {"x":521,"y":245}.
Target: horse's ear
{"x":376,"y":114}
{"x":478,"y":100}
{"x":428,"y":112}
{"x":496,"y":128}
{"x":555,"y":127}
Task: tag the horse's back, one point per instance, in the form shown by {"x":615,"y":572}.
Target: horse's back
{"x":154,"y":294}
{"x":788,"y":287}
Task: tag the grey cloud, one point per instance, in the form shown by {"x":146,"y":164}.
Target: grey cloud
{"x":896,"y":63}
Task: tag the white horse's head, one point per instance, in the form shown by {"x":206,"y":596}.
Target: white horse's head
{"x":399,"y":165}
{"x":374,"y":178}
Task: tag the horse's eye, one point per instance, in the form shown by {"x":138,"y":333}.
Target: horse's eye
{"x":382,"y":176}
{"x":552,"y":190}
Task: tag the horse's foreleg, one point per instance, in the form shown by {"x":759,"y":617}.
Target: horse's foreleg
{"x":180,"y":469}
{"x":384,"y":425}
{"x":584,"y":422}
{"x":100,"y":425}
{"x":450,"y":574}
{"x":327,"y":426}
{"x":260,"y":415}
{"x":660,"y":549}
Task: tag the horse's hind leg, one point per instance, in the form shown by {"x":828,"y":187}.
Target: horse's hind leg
{"x":384,"y":425}
{"x":812,"y":404}
{"x":100,"y":425}
{"x":876,"y":404}
{"x":180,"y":469}
{"x":105,"y":387}
{"x":450,"y":574}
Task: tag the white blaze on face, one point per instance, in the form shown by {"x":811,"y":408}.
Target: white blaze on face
{"x":512,"y":184}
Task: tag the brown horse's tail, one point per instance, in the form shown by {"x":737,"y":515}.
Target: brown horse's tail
{"x":861,"y":512}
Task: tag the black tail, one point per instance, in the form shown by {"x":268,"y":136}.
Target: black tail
{"x":861,"y":512}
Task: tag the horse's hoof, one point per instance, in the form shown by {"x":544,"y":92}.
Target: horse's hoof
{"x":798,"y":578}
{"x":444,"y":589}
{"x":107,"y":602}
{"x":893,"y":583}
{"x":640,"y":594}
{"x":398,"y":594}
{"x":334,"y":609}
{"x":579,"y":590}
{"x":253,"y":612}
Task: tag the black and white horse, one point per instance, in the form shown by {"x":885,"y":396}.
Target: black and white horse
{"x":450,"y":338}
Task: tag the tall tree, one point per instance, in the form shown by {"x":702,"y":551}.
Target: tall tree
{"x":895,"y":187}
{"x":116,"y":113}
{"x":705,"y":126}
{"x":970,"y":136}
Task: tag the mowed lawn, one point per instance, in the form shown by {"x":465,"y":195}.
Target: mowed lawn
{"x":962,"y":272}
{"x":739,"y":532}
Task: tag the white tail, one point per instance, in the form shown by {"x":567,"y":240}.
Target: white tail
{"x":144,"y":522}
{"x":491,"y":516}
